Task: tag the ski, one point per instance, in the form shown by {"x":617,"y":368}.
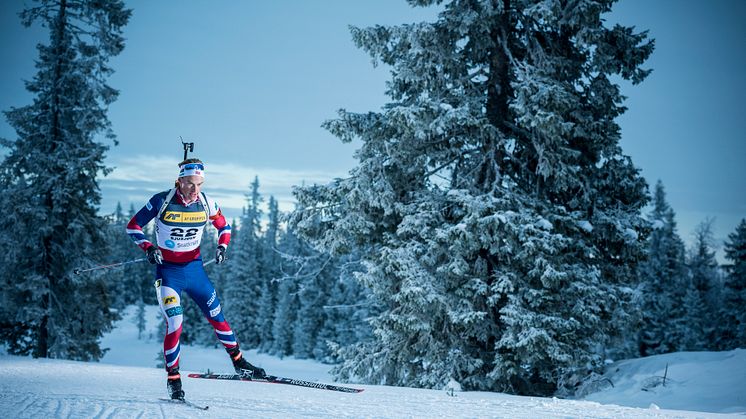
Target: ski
{"x":278,"y":380}
{"x":185,"y":403}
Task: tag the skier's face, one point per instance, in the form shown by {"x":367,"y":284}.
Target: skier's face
{"x":190,"y":186}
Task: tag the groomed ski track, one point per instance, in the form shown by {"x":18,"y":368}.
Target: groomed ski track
{"x":33,"y":388}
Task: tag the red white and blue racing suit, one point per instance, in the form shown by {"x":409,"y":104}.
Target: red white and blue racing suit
{"x":179,"y":228}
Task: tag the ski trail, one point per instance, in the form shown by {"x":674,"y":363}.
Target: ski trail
{"x":24,"y":401}
{"x":21,"y":405}
{"x":52,"y":388}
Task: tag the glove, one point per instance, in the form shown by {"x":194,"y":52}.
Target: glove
{"x":220,"y":254}
{"x":154,"y":255}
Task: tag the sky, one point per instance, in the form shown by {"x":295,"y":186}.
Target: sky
{"x":251,"y":83}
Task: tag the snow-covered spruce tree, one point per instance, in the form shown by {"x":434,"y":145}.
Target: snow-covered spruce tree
{"x":300,"y":299}
{"x":348,"y":307}
{"x":139,"y":274}
{"x":703,"y":294}
{"x":50,"y":176}
{"x":286,"y":312}
{"x":319,"y":305}
{"x":243,"y":282}
{"x":315,"y":279}
{"x":116,"y":287}
{"x":663,"y":282}
{"x":269,"y":275}
{"x":733,"y":314}
{"x":496,"y":214}
{"x":123,"y":284}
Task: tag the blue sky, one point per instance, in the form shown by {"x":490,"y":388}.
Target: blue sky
{"x":251,"y":83}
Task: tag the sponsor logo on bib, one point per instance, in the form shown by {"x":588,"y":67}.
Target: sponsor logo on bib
{"x":185,"y":217}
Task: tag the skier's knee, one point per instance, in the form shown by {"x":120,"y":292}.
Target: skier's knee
{"x":171,"y":305}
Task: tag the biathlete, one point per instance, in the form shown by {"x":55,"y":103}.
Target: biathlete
{"x":181,"y":215}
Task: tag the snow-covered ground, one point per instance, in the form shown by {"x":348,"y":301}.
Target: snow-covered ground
{"x":126,"y":384}
{"x":704,"y":381}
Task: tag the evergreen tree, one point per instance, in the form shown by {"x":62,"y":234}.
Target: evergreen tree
{"x":50,"y":170}
{"x":348,"y":306}
{"x":139,"y":276}
{"x":315,"y":278}
{"x":286,"y":311}
{"x":663,"y":278}
{"x":283,"y":321}
{"x":123,"y":288}
{"x":703,"y":301}
{"x":308,"y":286}
{"x":734,"y":291}
{"x":268,"y":277}
{"x":243,"y":287}
{"x":139,"y":319}
{"x":497,"y":218}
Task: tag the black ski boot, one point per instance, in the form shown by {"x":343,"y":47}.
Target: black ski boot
{"x":174,"y":385}
{"x":244,"y":368}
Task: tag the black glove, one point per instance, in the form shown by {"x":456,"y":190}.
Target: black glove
{"x":154,"y":255}
{"x":220,"y":254}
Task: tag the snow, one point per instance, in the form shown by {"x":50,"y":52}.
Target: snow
{"x":585,"y":225}
{"x":631,"y":235}
{"x":706,"y":381}
{"x":126,"y":384}
{"x":544,"y":224}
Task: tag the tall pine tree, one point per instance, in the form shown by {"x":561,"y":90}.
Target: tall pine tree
{"x":734,"y":291}
{"x":269,"y":276}
{"x":703,"y":292}
{"x":664,"y":281}
{"x":348,"y":307}
{"x":51,"y":171}
{"x":286,"y":309}
{"x":497,"y":218}
{"x":243,"y":283}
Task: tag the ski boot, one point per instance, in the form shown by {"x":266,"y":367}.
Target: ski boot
{"x":174,"y":385}
{"x":244,"y":368}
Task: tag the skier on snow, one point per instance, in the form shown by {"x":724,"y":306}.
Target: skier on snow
{"x":181,"y":215}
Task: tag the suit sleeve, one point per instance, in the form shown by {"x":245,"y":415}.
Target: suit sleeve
{"x":218,"y":220}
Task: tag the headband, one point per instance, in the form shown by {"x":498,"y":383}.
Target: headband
{"x":192,"y":169}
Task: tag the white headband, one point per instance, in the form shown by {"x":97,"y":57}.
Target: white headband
{"x":192,"y":169}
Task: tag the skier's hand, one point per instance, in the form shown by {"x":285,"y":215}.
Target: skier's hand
{"x":220,"y":254}
{"x":154,"y":255}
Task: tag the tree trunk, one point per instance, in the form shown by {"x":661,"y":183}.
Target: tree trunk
{"x":498,"y":97}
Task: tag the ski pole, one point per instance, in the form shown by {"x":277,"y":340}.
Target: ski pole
{"x":78,"y":271}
